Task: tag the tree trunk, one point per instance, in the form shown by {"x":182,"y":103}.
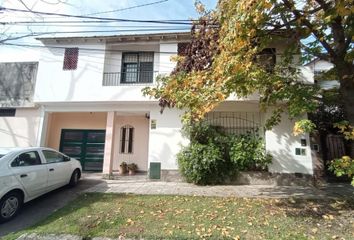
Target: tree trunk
{"x":346,"y":76}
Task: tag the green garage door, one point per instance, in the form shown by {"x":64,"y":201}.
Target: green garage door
{"x":87,"y":146}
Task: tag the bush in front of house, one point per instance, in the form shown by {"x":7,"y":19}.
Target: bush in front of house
{"x":247,"y":152}
{"x":203,"y":163}
{"x":214,"y":156}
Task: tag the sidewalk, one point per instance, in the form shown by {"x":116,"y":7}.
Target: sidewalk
{"x":144,"y":186}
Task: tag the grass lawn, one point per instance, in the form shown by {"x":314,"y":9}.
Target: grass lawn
{"x":180,"y":217}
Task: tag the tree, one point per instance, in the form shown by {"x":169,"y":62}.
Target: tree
{"x":245,"y":28}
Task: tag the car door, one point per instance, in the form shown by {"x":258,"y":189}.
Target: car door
{"x":59,"y":168}
{"x":30,"y":171}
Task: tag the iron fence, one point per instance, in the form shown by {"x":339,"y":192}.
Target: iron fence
{"x":127,"y":78}
{"x":236,"y":122}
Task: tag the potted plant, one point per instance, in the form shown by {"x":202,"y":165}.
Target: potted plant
{"x":123,"y":168}
{"x":132,"y":168}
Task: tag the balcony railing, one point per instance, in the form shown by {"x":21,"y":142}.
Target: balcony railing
{"x":127,"y":78}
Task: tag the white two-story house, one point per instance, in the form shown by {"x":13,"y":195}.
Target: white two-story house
{"x":88,"y":90}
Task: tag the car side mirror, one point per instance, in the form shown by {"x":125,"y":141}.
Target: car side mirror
{"x":66,"y":159}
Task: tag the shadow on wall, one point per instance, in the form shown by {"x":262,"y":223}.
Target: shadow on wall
{"x":28,"y":135}
{"x":287,"y":163}
{"x":55,"y":58}
{"x":73,"y":82}
{"x":283,"y":159}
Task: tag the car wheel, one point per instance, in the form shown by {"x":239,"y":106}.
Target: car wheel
{"x":10,"y":205}
{"x":74,"y":178}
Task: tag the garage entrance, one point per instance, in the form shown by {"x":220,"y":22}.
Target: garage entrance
{"x":87,"y":146}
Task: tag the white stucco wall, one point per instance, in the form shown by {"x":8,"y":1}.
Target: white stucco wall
{"x":20,"y":130}
{"x":319,"y":65}
{"x":167,"y":50}
{"x":281,"y":143}
{"x":166,"y":140}
{"x":55,"y":84}
{"x":85,"y":83}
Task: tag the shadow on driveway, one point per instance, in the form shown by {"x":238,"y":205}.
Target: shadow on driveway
{"x":40,"y":208}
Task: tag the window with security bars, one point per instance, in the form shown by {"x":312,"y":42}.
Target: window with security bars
{"x":267,"y":59}
{"x":71,"y":56}
{"x":137,"y":67}
{"x":126,"y":139}
{"x":182,"y":48}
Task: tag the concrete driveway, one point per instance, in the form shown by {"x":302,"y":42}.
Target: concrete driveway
{"x":40,"y":208}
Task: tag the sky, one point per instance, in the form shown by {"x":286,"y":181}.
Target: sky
{"x":123,"y":9}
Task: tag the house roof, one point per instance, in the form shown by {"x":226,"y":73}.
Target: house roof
{"x":125,"y":37}
{"x":312,"y":61}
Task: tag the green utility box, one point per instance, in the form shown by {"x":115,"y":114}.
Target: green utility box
{"x":155,"y":170}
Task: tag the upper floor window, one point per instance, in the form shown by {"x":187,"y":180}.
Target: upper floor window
{"x":7,"y":112}
{"x":182,"y":48}
{"x":137,"y":67}
{"x":267,"y":58}
{"x":126,"y":139}
{"x":71,"y":56}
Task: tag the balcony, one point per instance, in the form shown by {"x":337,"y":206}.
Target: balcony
{"x":129,"y":78}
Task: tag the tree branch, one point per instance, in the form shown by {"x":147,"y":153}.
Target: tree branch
{"x":325,"y":6}
{"x":24,"y":4}
{"x":320,"y":36}
{"x":322,"y":56}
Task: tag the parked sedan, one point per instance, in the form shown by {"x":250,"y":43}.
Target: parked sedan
{"x":27,"y":173}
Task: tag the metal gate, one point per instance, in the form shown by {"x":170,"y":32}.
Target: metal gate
{"x":236,"y":122}
{"x":87,"y":146}
{"x":335,"y":146}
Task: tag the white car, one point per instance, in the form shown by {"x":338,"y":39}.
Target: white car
{"x":27,"y":173}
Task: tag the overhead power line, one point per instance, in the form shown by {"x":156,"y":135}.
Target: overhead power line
{"x":128,"y":8}
{"x":186,"y":22}
{"x":94,"y":25}
{"x":63,"y":21}
{"x":105,"y":31}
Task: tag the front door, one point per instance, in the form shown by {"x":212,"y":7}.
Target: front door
{"x":87,"y":146}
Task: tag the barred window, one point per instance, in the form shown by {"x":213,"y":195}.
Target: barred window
{"x":70,"y":58}
{"x":137,"y":67}
{"x":126,"y":139}
{"x":182,"y":48}
{"x":267,"y":58}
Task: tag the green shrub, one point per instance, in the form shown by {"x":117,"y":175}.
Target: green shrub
{"x":201,"y":132}
{"x":203,"y":164}
{"x":214,"y":156}
{"x":247,"y":152}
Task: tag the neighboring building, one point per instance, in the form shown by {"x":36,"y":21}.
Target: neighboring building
{"x":92,"y":108}
{"x":19,"y":116}
{"x":318,"y":66}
